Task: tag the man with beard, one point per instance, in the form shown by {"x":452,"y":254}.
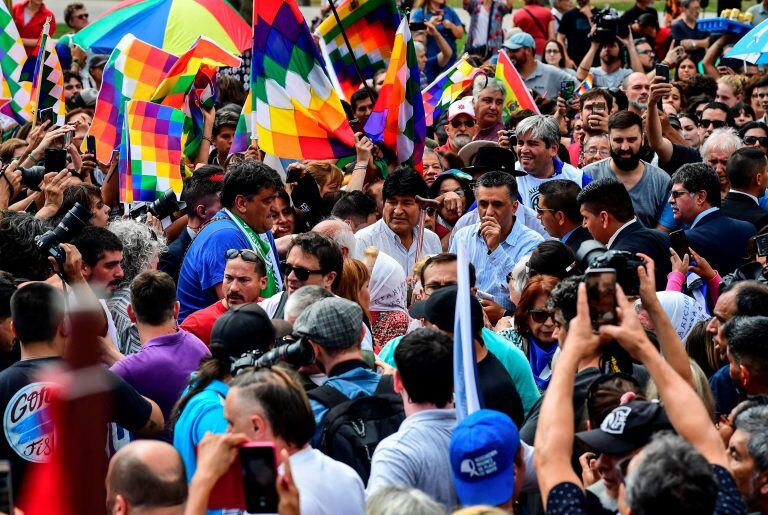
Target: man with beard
{"x":542,"y":78}
{"x":748,"y":457}
{"x":461,"y":127}
{"x":647,"y":54}
{"x":595,"y":107}
{"x":574,"y":28}
{"x":610,"y":73}
{"x":245,"y":275}
{"x":488,"y":97}
{"x":648,"y":186}
{"x":636,"y":87}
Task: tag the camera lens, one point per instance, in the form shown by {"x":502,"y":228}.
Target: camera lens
{"x":32,"y":177}
{"x":72,"y":223}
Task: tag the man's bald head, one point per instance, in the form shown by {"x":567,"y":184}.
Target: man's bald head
{"x":339,"y":231}
{"x":146,"y":476}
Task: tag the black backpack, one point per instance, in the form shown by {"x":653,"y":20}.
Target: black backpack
{"x":353,"y":428}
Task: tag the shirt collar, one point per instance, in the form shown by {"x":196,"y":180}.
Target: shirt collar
{"x":393,"y":234}
{"x":568,"y":234}
{"x":166,"y":339}
{"x":702,"y":215}
{"x":347,"y":366}
{"x":747,"y":194}
{"x":430,"y":415}
{"x":613,"y":238}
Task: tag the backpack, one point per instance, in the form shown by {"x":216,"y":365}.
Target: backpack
{"x":353,"y":428}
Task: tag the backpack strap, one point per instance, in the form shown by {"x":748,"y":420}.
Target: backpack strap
{"x":280,"y":309}
{"x":328,"y":396}
{"x":386,"y":385}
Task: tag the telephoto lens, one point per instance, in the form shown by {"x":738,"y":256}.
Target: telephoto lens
{"x":72,"y":223}
{"x":161,"y":208}
{"x":32,"y":177}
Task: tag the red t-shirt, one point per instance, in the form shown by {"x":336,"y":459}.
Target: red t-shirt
{"x":524,"y":20}
{"x":200,"y":323}
{"x":34,"y":27}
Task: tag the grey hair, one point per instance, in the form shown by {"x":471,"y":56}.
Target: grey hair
{"x":339,"y":231}
{"x":395,"y":500}
{"x":671,"y":477}
{"x":419,"y":47}
{"x":491,"y":83}
{"x":754,"y":422}
{"x":541,"y":126}
{"x":520,"y":275}
{"x":140,"y":246}
{"x":302,"y":298}
{"x":724,"y":139}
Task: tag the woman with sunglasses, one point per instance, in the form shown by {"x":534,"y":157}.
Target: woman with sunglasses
{"x":755,"y":134}
{"x":534,"y":327}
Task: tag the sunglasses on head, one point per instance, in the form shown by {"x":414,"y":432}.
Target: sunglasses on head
{"x":245,"y":254}
{"x":466,"y":123}
{"x":301,"y":273}
{"x":717,"y":124}
{"x":540,"y":316}
{"x":761,"y":140}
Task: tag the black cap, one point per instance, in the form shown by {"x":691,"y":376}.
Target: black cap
{"x":244,"y":327}
{"x":627,"y":428}
{"x":493,"y":158}
{"x":440,"y":309}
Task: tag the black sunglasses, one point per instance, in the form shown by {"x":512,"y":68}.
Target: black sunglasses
{"x":82,"y":16}
{"x":717,"y":124}
{"x":466,"y":123}
{"x":540,"y":316}
{"x":302,"y":274}
{"x":245,"y":254}
{"x":761,"y":140}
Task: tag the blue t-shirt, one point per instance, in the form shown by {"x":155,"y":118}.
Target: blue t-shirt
{"x":421,"y":15}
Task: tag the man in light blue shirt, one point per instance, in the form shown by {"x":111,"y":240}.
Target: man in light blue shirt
{"x":497,"y":242}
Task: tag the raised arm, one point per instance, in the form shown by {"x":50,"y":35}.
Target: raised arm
{"x":585,"y":63}
{"x":656,"y":139}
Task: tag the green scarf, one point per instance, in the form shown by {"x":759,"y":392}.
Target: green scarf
{"x":262,"y":247}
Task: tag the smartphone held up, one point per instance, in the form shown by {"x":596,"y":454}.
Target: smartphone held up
{"x":251,"y":482}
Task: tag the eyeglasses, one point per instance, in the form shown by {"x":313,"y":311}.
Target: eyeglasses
{"x":717,"y":124}
{"x":679,"y":193}
{"x":301,"y":273}
{"x":552,"y":51}
{"x":604,"y":152}
{"x":540,"y":316}
{"x":83,"y":16}
{"x":466,"y":123}
{"x":761,"y":140}
{"x":646,"y":52}
{"x":542,"y":210}
{"x":245,"y":254}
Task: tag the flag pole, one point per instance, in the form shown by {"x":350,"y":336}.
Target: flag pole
{"x":351,"y":52}
{"x":39,"y":76}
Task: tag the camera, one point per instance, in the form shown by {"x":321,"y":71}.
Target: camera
{"x":609,"y":26}
{"x":72,"y":223}
{"x":32,"y":177}
{"x":593,"y":254}
{"x":161,"y":208}
{"x":295,"y":353}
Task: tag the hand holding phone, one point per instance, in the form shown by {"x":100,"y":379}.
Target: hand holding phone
{"x":601,"y":296}
{"x":679,"y":243}
{"x":90,"y":143}
{"x":259,"y":466}
{"x":762,"y":244}
{"x":567,"y":89}
{"x":55,"y":160}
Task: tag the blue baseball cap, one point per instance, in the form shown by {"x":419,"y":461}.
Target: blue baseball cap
{"x":519,"y":40}
{"x":483,"y":450}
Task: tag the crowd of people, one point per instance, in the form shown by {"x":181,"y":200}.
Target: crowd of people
{"x":314,"y":308}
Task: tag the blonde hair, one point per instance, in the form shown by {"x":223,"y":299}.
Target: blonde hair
{"x":324,"y":173}
{"x":353,"y":277}
{"x":735,"y":82}
{"x":701,"y":385}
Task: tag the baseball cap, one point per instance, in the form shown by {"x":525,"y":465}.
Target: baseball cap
{"x":244,"y":327}
{"x":486,"y":156}
{"x":461,"y":106}
{"x":628,"y":427}
{"x":519,"y":40}
{"x":483,"y":449}
{"x":85,"y":98}
{"x":440,"y":309}
{"x":98,"y":61}
{"x":333,"y":322}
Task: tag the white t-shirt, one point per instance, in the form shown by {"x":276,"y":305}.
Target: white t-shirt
{"x":528,"y":185}
{"x":480,"y":30}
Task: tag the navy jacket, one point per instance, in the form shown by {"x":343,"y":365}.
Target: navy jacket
{"x":577,"y":237}
{"x":655,"y":244}
{"x":741,"y":207}
{"x":170,"y":260}
{"x":721,"y":240}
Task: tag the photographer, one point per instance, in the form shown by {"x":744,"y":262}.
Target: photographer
{"x":610,"y":73}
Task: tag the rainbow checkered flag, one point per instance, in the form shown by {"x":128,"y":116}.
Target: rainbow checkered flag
{"x":246,"y":126}
{"x":150,"y":151}
{"x":14,"y":94}
{"x":370,"y":26}
{"x":203,"y":95}
{"x":586,"y":85}
{"x":447,"y":87}
{"x":298,"y":112}
{"x":134,"y":70}
{"x":48,"y":79}
{"x":397,"y":119}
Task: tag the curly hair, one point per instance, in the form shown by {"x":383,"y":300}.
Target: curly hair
{"x":140,"y":247}
{"x":19,"y":255}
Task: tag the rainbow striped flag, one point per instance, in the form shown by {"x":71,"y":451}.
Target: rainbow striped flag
{"x":447,"y":87}
{"x":202,"y":95}
{"x":397,"y":119}
{"x":586,"y":85}
{"x":246,"y":125}
{"x":134,"y":72}
{"x":181,"y":77}
{"x":370,"y":26}
{"x":298,"y":112}
{"x":150,"y":151}
{"x":518,"y":97}
{"x":14,"y":93}
{"x":48,"y":79}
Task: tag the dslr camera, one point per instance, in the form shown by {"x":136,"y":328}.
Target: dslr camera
{"x":609,"y":26}
{"x":593,"y":254}
{"x":296,"y":353}
{"x":161,"y":208}
{"x":72,"y":223}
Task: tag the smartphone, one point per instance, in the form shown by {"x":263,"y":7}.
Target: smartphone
{"x":662,"y":70}
{"x":46,"y":114}
{"x":6,"y":491}
{"x":481,"y":295}
{"x":679,"y":242}
{"x":68,"y":138}
{"x":259,"y":465}
{"x":418,"y":25}
{"x":293,"y":176}
{"x":356,"y":126}
{"x":601,"y":296}
{"x":55,"y":159}
{"x":567,"y":89}
{"x":598,"y":107}
{"x":762,"y":244}
{"x":90,"y":143}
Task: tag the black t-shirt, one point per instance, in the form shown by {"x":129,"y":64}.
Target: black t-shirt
{"x":631,"y":15}
{"x":681,"y":155}
{"x":28,"y":435}
{"x":498,"y":390}
{"x":569,"y":498}
{"x":575,"y":26}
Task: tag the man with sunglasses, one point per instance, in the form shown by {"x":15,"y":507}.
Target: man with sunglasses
{"x":715,"y":115}
{"x":461,"y":127}
{"x":748,"y":174}
{"x":245,"y":275}
{"x":558,"y":212}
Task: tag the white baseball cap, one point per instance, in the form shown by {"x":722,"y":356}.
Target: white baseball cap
{"x":461,"y":106}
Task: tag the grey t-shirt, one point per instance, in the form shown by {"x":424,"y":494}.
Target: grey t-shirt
{"x":545,"y":80}
{"x":608,"y":80}
{"x":649,"y":195}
